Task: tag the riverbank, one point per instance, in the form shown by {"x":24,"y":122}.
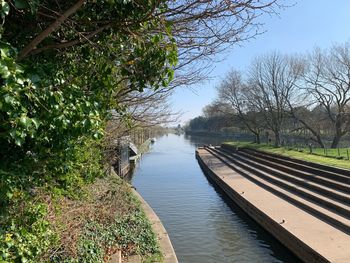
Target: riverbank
{"x":305,"y":155}
{"x":166,"y":248}
{"x":310,"y":238}
{"x":109,"y":218}
{"x":104,"y":217}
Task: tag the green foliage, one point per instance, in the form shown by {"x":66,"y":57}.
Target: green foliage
{"x":25,"y":236}
{"x":53,"y":98}
{"x":40,"y":115}
{"x":127,"y":228}
{"x":65,"y":173}
{"x":51,"y":102}
{"x":133,"y":233}
{"x":15,"y":123}
{"x":78,"y":165}
{"x":54,"y":105}
{"x":5,"y":9}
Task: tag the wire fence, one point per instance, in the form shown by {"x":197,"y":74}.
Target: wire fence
{"x":338,"y":153}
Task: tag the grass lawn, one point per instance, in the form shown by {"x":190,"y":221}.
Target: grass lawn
{"x":318,"y":155}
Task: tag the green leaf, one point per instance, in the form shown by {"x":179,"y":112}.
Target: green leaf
{"x":24,"y":120}
{"x":5,"y":8}
{"x":9,"y":195}
{"x":4,"y":71}
{"x":21,"y":4}
{"x":18,"y":141}
{"x":36,"y":123}
{"x":9,"y":99}
{"x":35,"y":78}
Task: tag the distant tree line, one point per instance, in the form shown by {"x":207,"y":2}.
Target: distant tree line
{"x":286,"y":95}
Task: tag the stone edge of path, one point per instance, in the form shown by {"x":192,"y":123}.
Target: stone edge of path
{"x":164,"y":242}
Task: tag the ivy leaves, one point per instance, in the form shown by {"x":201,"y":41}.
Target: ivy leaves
{"x":28,"y":103}
{"x":4,"y":9}
{"x":54,"y":105}
{"x":15,"y":122}
{"x":53,"y":98}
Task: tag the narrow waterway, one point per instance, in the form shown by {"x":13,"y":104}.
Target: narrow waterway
{"x":203,"y":224}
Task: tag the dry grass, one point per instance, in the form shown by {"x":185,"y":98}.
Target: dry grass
{"x":103,"y":201}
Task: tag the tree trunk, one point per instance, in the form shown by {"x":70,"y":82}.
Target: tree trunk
{"x":338,"y":133}
{"x":319,"y":141}
{"x":277,"y":138}
{"x":336,"y":140}
{"x":257,"y":138}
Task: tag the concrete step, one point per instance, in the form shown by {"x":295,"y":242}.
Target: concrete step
{"x":345,"y":188}
{"x":337,"y":214}
{"x":326,"y":191}
{"x":337,"y":170}
{"x":321,"y":199}
{"x":327,"y":171}
{"x":302,"y":226}
{"x":299,"y":165}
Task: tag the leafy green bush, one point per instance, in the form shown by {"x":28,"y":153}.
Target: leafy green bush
{"x":25,"y":236}
{"x":54,"y":105}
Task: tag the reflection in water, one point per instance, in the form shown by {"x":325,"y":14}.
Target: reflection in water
{"x":202,"y":140}
{"x":202,"y":222}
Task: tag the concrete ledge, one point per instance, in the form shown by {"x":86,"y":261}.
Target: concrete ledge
{"x":327,"y":168}
{"x":166,"y":247}
{"x":307,"y":237}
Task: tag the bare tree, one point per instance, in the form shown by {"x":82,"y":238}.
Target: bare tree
{"x":302,"y":110}
{"x":327,"y":79}
{"x":235,"y":92}
{"x":272,"y":85}
{"x":310,"y":119}
{"x":142,"y":116}
{"x":218,"y":115}
{"x":205,"y":28}
{"x":143,"y":110}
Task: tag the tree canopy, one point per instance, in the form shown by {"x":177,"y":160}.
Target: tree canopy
{"x":63,"y":71}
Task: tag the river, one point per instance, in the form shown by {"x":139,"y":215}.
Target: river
{"x":203,"y":224}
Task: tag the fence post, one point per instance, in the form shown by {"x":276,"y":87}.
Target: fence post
{"x":338,"y":152}
{"x":347,"y":153}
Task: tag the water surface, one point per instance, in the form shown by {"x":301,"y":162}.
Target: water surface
{"x":203,"y":224}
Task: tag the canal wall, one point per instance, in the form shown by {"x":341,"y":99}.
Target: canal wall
{"x":163,"y":238}
{"x":164,"y":242}
{"x":309,"y":238}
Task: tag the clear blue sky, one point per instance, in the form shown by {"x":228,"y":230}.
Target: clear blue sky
{"x":297,"y":29}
